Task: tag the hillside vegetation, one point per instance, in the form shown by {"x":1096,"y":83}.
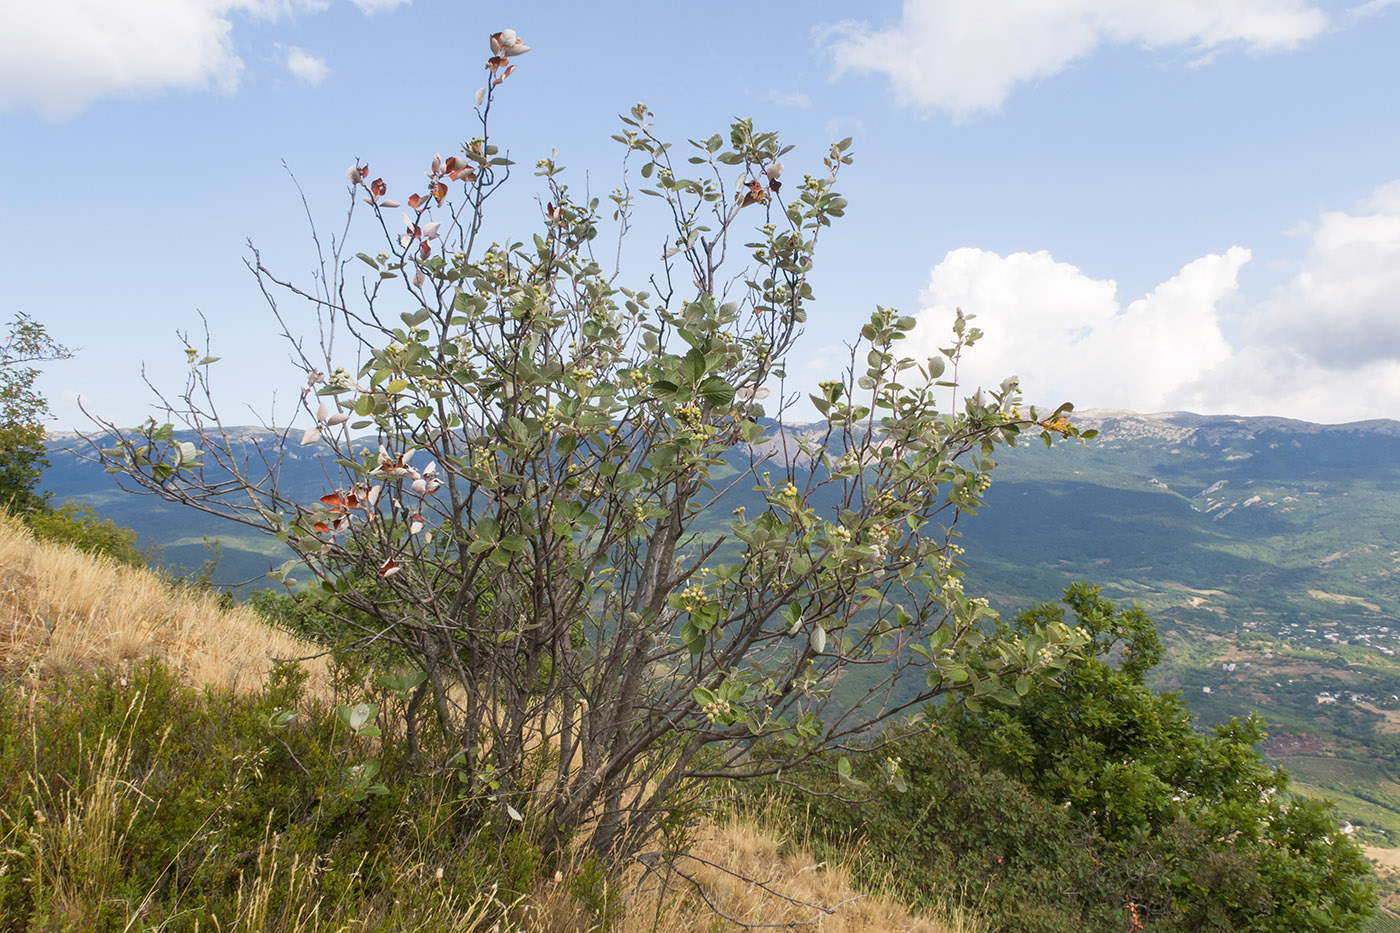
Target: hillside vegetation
{"x":164,"y":784}
{"x":175,"y":775}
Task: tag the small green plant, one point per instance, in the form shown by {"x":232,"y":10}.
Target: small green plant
{"x":360,"y":775}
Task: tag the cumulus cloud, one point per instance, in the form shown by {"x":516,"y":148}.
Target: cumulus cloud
{"x":963,"y":56}
{"x":60,"y":56}
{"x":305,"y":66}
{"x":1343,"y":308}
{"x":1067,"y":336}
{"x":1325,"y":347}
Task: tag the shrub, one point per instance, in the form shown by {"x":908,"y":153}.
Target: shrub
{"x":556,"y":570}
{"x":22,"y":413}
{"x":1021,"y":863}
{"x":1207,"y":834}
{"x":78,"y":525}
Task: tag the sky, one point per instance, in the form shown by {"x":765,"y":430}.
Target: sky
{"x":1150,"y":206}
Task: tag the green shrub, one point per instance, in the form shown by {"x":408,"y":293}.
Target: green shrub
{"x":1204,"y":832}
{"x":77,"y":525}
{"x":1023,"y":864}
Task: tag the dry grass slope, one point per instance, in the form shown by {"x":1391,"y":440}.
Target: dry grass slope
{"x":64,"y":611}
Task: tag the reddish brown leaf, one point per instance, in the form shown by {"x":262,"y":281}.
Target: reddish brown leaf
{"x":426,"y":249}
{"x":334,"y":499}
{"x":754,"y":195}
{"x":440,"y":192}
{"x":414,"y":200}
{"x":377,"y":187}
{"x":321,"y":527}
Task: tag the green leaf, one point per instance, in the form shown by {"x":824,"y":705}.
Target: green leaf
{"x":1006,"y":697}
{"x":403,"y":683}
{"x":717,"y":391}
{"x":693,"y":366}
{"x":355,"y":717}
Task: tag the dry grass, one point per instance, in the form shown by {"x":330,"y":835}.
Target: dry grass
{"x":79,"y":858}
{"x":63,"y":610}
{"x":739,"y":874}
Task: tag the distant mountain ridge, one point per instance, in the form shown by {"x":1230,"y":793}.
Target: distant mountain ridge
{"x":1120,"y":424}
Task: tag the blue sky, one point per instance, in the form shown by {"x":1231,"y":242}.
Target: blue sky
{"x":1192,"y":205}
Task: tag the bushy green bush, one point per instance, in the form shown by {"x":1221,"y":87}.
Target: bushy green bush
{"x":78,"y":525}
{"x":1092,"y":805}
{"x":959,"y":832}
{"x":1206,"y":834}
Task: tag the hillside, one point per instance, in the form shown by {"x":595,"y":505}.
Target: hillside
{"x":1267,"y":549}
{"x":80,"y":630}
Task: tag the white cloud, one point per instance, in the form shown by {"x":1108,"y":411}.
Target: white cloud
{"x":964,"y":56}
{"x":1370,"y":8}
{"x":60,"y":56}
{"x":370,"y":7}
{"x":1066,"y":335}
{"x":305,"y":66}
{"x":1343,"y":308}
{"x":1325,"y":347}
